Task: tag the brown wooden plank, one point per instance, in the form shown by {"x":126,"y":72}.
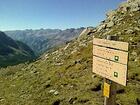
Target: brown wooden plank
{"x":110,"y":70}
{"x":114,"y":55}
{"x":109,"y":43}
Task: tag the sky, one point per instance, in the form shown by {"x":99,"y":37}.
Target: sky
{"x":54,"y":14}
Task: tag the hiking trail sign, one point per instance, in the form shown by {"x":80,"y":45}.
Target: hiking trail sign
{"x":110,"y":59}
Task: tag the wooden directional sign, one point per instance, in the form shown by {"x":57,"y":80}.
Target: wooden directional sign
{"x":111,"y":54}
{"x":110,"y":60}
{"x":110,"y":70}
{"x":111,"y":44}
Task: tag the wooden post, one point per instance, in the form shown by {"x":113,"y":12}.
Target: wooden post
{"x":113,"y":86}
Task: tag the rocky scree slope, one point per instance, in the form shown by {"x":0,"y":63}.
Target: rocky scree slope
{"x":13,"y":52}
{"x":64,"y":76}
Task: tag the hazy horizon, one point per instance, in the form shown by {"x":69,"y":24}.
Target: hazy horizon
{"x":51,"y":14}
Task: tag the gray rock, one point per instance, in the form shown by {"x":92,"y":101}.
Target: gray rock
{"x":110,"y":24}
{"x":119,"y":19}
{"x":47,"y":56}
{"x":131,"y":39}
{"x":111,"y":14}
{"x":51,"y":91}
{"x":134,"y":7}
{"x":137,"y":28}
{"x":107,"y":32}
{"x":129,"y":31}
{"x":134,"y":53}
{"x":66,"y":46}
{"x":119,"y":33}
{"x":124,"y":7}
{"x":83,"y":44}
{"x":56,"y":93}
{"x":103,"y":26}
{"x":74,"y":51}
{"x":94,"y":76}
{"x":86,"y":32}
{"x":1,"y":99}
{"x":137,"y":59}
{"x":72,"y":100}
{"x":58,"y":64}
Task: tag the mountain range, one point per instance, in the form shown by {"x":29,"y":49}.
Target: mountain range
{"x":42,"y":40}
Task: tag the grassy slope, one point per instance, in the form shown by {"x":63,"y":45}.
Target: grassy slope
{"x":73,"y":79}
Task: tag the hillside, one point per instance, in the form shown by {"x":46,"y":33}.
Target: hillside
{"x":13,"y":52}
{"x":64,"y":76}
{"x":44,"y":39}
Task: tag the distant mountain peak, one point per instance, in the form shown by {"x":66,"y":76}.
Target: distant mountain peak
{"x":41,"y":40}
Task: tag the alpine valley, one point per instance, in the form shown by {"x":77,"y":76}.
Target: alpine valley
{"x":13,"y":52}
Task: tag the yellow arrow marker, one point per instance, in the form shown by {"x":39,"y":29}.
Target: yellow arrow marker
{"x":106,"y":91}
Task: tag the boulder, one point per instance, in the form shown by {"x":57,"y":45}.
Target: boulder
{"x":74,"y":51}
{"x":137,"y":59}
{"x":66,"y":46}
{"x":51,"y":91}
{"x":87,"y":30}
{"x":111,"y":14}
{"x":137,"y":28}
{"x":54,"y":92}
{"x":134,"y":7}
{"x":124,"y":7}
{"x":102,"y":26}
{"x":134,"y":53}
{"x":110,"y":24}
{"x":129,"y":31}
{"x":1,"y":99}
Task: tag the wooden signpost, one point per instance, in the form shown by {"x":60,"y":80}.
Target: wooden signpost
{"x":110,"y":60}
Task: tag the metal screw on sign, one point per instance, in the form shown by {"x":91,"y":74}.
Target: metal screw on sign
{"x":115,"y":74}
{"x":116,"y":58}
